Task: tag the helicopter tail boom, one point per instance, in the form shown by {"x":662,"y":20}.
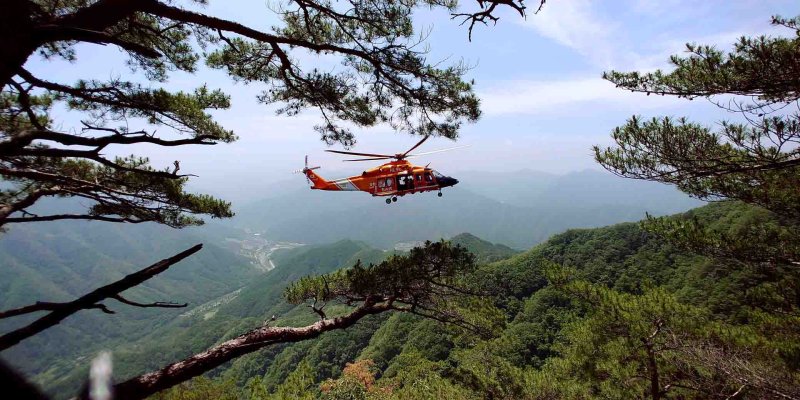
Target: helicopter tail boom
{"x":317,"y":181}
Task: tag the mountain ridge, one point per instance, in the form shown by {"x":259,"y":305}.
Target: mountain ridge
{"x":583,"y":199}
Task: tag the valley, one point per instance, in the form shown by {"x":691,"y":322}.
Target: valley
{"x":258,"y":249}
{"x":267,"y":261}
{"x":399,"y":200}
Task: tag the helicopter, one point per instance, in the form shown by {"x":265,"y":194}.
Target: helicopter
{"x":393,"y":179}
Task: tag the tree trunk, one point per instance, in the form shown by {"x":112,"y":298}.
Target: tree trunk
{"x":16,"y":31}
{"x":652,"y":368}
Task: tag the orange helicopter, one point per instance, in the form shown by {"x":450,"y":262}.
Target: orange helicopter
{"x":393,"y":179}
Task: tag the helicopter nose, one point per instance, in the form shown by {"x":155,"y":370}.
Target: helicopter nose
{"x":446,"y":181}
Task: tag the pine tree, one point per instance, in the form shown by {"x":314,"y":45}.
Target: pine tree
{"x":652,"y":346}
{"x":756,"y":162}
{"x":384,"y":77}
{"x":431,"y":281}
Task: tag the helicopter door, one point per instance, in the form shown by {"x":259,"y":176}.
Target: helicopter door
{"x":405,"y":182}
{"x":428,"y":179}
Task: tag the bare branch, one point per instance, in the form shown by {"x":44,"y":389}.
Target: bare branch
{"x":486,"y":14}
{"x":92,"y":299}
{"x":159,"y":304}
{"x":145,"y":385}
{"x":38,"y":306}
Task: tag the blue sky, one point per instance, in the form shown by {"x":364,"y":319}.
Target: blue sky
{"x":543,"y":101}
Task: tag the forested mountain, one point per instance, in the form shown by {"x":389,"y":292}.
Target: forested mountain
{"x":142,"y":340}
{"x":517,"y":209}
{"x":397,"y":350}
{"x":338,"y":296}
{"x":60,"y":261}
{"x":403,"y":356}
{"x":163,"y":336}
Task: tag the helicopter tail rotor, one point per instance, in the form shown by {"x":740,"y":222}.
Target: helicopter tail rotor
{"x":306,"y":169}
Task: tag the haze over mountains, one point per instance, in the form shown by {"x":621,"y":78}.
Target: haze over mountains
{"x":518,"y":209}
{"x":227,"y":287}
{"x":146,"y":339}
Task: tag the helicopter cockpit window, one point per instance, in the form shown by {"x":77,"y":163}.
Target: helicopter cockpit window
{"x":437,"y":175}
{"x":428,"y":177}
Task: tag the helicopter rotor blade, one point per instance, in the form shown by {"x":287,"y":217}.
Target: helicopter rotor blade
{"x":370,"y":159}
{"x":416,"y":145}
{"x":359,"y":154}
{"x":437,"y":151}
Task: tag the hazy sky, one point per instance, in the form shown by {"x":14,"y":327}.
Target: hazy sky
{"x":544,"y":104}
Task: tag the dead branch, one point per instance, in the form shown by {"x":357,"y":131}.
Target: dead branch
{"x":92,"y":300}
{"x":145,"y":385}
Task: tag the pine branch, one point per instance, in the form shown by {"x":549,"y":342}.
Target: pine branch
{"x":145,"y":385}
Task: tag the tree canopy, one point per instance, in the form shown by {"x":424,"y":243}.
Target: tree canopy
{"x":430,"y":281}
{"x":756,"y":161}
{"x":384,"y":77}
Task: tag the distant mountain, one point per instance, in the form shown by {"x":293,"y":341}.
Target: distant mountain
{"x":517,"y":209}
{"x":400,"y":346}
{"x":514,"y":187}
{"x":185,"y":332}
{"x":59,"y":261}
{"x":194,"y":329}
{"x":484,"y":251}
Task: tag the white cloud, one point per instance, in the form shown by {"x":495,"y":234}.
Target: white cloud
{"x":595,"y":33}
{"x":539,"y":97}
{"x":574,"y":25}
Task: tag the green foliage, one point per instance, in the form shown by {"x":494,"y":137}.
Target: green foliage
{"x":755,"y":236}
{"x":567,"y":340}
{"x":201,"y":388}
{"x":419,"y":378}
{"x":530,"y":338}
{"x":356,"y":383}
{"x":426,"y":279}
{"x":384,"y":77}
{"x":652,"y":346}
{"x":755,"y":162}
{"x":762,"y":66}
{"x":254,"y":389}
{"x":298,"y":385}
{"x":753,"y":251}
{"x":389,"y":340}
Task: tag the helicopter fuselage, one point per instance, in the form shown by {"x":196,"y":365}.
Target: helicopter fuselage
{"x":396,"y":178}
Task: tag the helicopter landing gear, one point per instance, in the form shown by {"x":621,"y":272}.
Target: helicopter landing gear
{"x":439,"y":194}
{"x":394,"y":199}
{"x":388,"y":201}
